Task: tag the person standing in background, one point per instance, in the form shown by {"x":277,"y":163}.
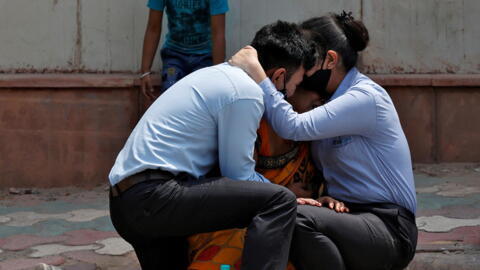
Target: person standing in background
{"x":195,"y":39}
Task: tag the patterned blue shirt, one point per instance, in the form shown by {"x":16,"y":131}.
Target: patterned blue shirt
{"x":211,"y":116}
{"x":358,"y":141}
{"x":189,"y":23}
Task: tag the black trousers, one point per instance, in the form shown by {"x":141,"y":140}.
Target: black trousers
{"x":155,"y":217}
{"x":370,"y":237}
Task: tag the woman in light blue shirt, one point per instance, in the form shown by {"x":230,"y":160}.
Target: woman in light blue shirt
{"x":359,"y":145}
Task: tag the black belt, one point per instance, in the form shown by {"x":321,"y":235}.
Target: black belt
{"x":140,"y":177}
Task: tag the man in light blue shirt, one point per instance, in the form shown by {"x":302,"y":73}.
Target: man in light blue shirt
{"x":160,"y":194}
{"x":211,"y":116}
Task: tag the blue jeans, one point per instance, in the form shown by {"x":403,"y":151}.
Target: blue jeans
{"x":177,"y":65}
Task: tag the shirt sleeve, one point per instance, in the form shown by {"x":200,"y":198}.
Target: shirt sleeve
{"x":237,"y":131}
{"x":353,"y":113}
{"x":156,"y":4}
{"x":218,"y":7}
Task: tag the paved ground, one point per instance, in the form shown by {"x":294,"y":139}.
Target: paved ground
{"x":70,"y":227}
{"x":448,"y":217}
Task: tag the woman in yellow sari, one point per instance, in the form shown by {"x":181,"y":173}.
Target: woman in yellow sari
{"x":281,"y":161}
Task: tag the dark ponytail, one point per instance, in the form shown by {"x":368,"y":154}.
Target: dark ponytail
{"x":341,"y":33}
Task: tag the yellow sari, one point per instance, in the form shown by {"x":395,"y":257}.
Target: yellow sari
{"x":210,"y":250}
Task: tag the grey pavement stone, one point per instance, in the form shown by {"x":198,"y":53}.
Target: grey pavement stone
{"x":80,"y":266}
{"x":55,"y":249}
{"x":114,"y":246}
{"x":444,"y":224}
{"x":446,"y":261}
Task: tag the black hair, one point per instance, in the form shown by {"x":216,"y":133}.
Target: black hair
{"x":282,"y":44}
{"x":338,"y":32}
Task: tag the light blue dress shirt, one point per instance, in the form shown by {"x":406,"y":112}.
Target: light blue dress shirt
{"x":210,"y":116}
{"x":358,"y":141}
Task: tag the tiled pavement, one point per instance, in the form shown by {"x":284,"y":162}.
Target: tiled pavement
{"x":66,"y":227}
{"x":448,"y":217}
{"x":70,"y":227}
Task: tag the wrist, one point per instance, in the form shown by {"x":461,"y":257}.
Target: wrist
{"x":144,"y":69}
{"x":144,"y":74}
{"x":257,"y":73}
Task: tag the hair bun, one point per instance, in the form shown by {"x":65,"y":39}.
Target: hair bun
{"x":355,"y":31}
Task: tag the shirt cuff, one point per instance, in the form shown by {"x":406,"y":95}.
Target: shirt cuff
{"x":268,"y":87}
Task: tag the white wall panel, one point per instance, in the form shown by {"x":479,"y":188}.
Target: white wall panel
{"x":408,"y":36}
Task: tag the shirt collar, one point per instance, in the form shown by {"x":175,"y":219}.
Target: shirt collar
{"x":345,"y":84}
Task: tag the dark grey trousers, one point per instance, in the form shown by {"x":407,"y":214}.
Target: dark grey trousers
{"x":157,"y":216}
{"x":325,"y":239}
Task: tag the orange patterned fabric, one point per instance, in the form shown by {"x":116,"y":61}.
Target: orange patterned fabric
{"x":210,"y":250}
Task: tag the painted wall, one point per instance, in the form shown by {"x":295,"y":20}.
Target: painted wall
{"x":409,"y":36}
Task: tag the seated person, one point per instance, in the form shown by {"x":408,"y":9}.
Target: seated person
{"x":283,"y":162}
{"x":358,"y":142}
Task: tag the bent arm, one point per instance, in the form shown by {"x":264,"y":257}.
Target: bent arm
{"x":353,"y":113}
{"x":237,"y":131}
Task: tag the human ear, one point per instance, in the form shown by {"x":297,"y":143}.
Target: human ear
{"x":332,"y":59}
{"x":278,"y":78}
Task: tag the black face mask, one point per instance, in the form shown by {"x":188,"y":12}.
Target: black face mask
{"x":318,"y":82}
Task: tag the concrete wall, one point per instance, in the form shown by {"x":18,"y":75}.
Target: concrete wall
{"x":409,"y":36}
{"x":66,"y":129}
{"x":59,"y":130}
